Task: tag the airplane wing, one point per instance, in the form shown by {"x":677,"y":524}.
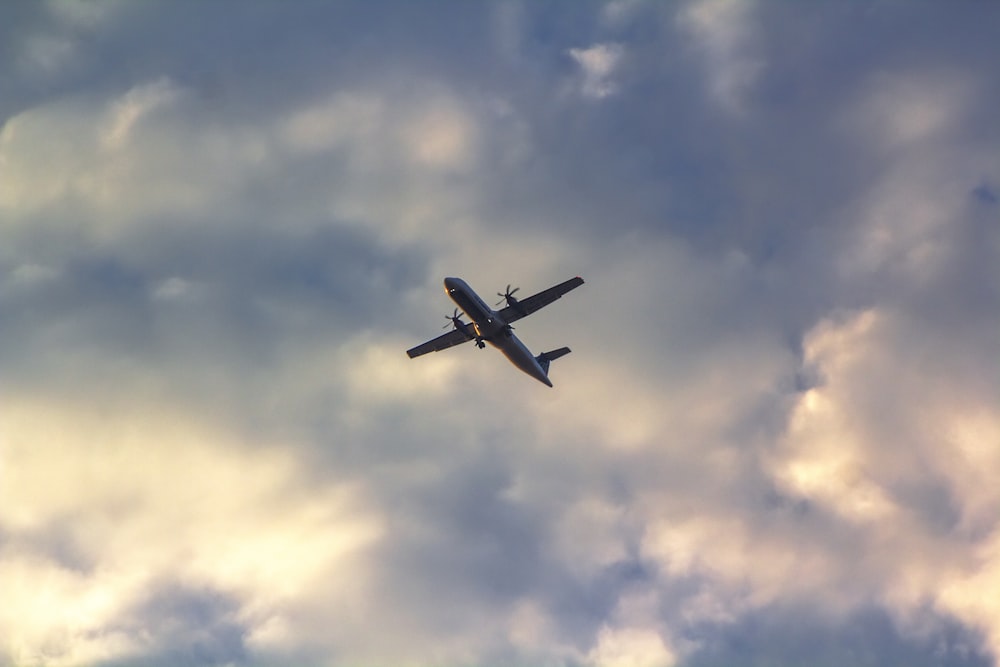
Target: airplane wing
{"x":442,"y":342}
{"x":525,"y":307}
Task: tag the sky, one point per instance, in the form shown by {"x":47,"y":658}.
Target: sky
{"x":776,"y":442}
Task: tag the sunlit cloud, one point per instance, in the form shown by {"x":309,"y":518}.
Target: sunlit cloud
{"x":103,"y":508}
{"x":639,"y":647}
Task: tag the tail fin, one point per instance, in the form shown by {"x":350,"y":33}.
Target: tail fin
{"x":545,"y":357}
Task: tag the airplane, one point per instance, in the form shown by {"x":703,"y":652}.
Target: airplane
{"x":494,"y":327}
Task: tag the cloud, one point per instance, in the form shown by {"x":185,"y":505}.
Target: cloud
{"x":869,"y":387}
{"x":631,"y":647}
{"x":598,"y":63}
{"x":772,"y":438}
{"x":106,"y":507}
{"x":130,"y":109}
{"x":101,"y":161}
{"x":917,"y":121}
{"x":866,"y":627}
{"x":724,"y":32}
{"x":904,"y":110}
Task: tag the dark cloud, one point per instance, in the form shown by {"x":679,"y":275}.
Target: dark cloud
{"x":868,"y":636}
{"x":181,"y":625}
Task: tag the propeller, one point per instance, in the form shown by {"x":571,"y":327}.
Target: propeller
{"x":455,"y":319}
{"x":508,"y":296}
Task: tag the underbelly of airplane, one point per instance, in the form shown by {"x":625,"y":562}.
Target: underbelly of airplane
{"x":520,"y":356}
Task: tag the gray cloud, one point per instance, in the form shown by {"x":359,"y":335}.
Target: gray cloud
{"x":183,"y":626}
{"x":771,"y":444}
{"x":867,"y":637}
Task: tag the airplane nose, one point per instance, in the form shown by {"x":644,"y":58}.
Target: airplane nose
{"x":450,"y":284}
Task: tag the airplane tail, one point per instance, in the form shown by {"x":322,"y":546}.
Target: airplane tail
{"x":546,"y":357}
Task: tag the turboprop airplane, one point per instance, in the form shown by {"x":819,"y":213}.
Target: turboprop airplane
{"x":494,"y":327}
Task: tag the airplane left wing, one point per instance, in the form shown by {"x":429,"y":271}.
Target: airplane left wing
{"x":442,"y":342}
{"x":525,"y":307}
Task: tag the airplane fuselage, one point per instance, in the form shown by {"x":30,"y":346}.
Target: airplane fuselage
{"x":491,"y":328}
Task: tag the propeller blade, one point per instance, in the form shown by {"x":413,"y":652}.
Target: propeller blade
{"x":507,"y":295}
{"x":454,"y":318}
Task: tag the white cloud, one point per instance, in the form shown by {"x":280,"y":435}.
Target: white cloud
{"x":532,"y":630}
{"x":153,"y":151}
{"x":132,"y":107}
{"x":107,"y":165}
{"x":826,"y":460}
{"x":140,"y":495}
{"x":344,"y":119}
{"x":379,"y":372}
{"x":173,"y":289}
{"x":598,"y":63}
{"x":900,"y":110}
{"x":35,"y":151}
{"x":432,"y":130}
{"x":442,"y":136}
{"x":631,"y":647}
{"x":724,"y":31}
{"x":907,"y":218}
{"x":965,"y":593}
{"x":841,"y":453}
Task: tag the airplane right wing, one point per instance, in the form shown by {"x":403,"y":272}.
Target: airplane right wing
{"x":442,"y":342}
{"x":525,"y":307}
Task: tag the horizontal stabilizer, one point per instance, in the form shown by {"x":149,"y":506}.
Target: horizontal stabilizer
{"x":545,"y":357}
{"x":554,"y":354}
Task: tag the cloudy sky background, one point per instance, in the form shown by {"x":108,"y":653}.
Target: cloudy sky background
{"x":777,"y":440}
